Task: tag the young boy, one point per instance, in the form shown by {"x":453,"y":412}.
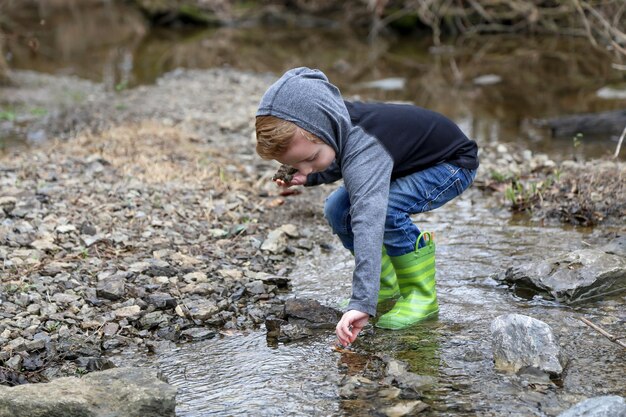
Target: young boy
{"x":395,"y":160}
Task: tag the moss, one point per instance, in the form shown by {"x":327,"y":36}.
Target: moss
{"x":194,"y":14}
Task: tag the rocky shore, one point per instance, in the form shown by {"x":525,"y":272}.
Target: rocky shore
{"x":145,"y":218}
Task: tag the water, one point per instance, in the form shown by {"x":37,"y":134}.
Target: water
{"x":534,"y":77}
{"x":242,"y":374}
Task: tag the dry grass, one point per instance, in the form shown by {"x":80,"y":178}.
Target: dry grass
{"x":156,"y":154}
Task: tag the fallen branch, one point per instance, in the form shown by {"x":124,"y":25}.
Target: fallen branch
{"x":619,"y":143}
{"x":604,"y":333}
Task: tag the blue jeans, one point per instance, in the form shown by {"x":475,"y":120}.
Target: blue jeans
{"x":416,"y":193}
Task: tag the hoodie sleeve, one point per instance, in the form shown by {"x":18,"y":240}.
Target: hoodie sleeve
{"x":366,"y":167}
{"x":329,"y":175}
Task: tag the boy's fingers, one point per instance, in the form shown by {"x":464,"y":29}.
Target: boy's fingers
{"x":343,"y":333}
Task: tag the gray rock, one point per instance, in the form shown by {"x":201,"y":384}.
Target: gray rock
{"x":111,"y":288}
{"x":95,"y":395}
{"x":91,"y":363}
{"x":310,"y":313}
{"x":397,"y":372}
{"x":605,"y":406}
{"x":577,"y":276}
{"x":202,"y":309}
{"x":198,"y":333}
{"x":7,"y":203}
{"x":65,"y":298}
{"x":276,"y":242}
{"x":616,"y":247}
{"x":87,"y":228}
{"x":15,"y":362}
{"x":290,"y":332}
{"x":256,"y":287}
{"x":405,"y":408}
{"x":152,"y":320}
{"x":128,"y":312}
{"x":520,"y":342}
{"x":162,"y":300}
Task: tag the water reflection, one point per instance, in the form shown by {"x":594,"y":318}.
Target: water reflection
{"x":241,"y":375}
{"x":535,"y":77}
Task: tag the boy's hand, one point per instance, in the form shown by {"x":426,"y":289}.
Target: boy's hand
{"x":297,"y":179}
{"x":350,"y":325}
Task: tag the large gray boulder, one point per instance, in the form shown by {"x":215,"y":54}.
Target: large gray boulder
{"x":577,"y":276}
{"x":605,"y":406}
{"x":120,"y":392}
{"x":520,"y":342}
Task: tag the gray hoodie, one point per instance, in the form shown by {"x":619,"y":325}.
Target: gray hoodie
{"x":306,"y":98}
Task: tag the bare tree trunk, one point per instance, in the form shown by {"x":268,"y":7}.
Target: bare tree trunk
{"x":4,"y":68}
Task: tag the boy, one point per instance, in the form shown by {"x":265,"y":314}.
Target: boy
{"x":395,"y":160}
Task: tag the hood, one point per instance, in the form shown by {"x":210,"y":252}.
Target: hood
{"x":305,"y":97}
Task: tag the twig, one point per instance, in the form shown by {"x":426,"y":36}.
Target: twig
{"x":604,"y":333}
{"x":619,"y":143}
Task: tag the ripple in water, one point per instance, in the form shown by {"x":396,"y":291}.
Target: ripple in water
{"x":242,"y":375}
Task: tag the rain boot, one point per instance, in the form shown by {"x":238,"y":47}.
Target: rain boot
{"x":388,"y":282}
{"x":416,"y":278}
{"x":389,"y":288}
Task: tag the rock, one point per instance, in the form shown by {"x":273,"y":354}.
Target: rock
{"x":44,"y":244}
{"x":160,"y":271}
{"x":127,"y":312}
{"x":7,"y":203}
{"x":405,"y":408}
{"x":616,"y":247}
{"x":139,"y":267}
{"x":280,"y":282}
{"x":90,"y":240}
{"x":255,"y":287}
{"x":111,"y":288}
{"x":65,"y":298}
{"x":162,"y":300}
{"x":110,"y":329}
{"x":153,"y":320}
{"x":36,"y":344}
{"x":91,"y":363}
{"x":310,"y":313}
{"x":53,"y":268}
{"x":605,"y":406}
{"x":290,"y":332}
{"x":15,"y":362}
{"x":88,"y":229}
{"x":127,"y":392}
{"x":487,"y":79}
{"x":197,"y":333}
{"x":273,"y":325}
{"x":276,"y":242}
{"x":195,"y":277}
{"x":201,"y":309}
{"x":520,"y":341}
{"x":577,"y":276}
{"x":65,"y":228}
{"x":397,"y":372}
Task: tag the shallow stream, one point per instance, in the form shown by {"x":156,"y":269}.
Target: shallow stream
{"x":242,"y":374}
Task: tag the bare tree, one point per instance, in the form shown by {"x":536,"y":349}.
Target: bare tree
{"x":4,"y":68}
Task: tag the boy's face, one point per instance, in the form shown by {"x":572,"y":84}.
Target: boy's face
{"x":305,"y":156}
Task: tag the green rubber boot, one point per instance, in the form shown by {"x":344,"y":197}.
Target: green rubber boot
{"x":388,"y":282}
{"x":416,"y":278}
{"x":389,"y":288}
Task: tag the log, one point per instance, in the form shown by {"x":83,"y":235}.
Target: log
{"x":592,"y":124}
